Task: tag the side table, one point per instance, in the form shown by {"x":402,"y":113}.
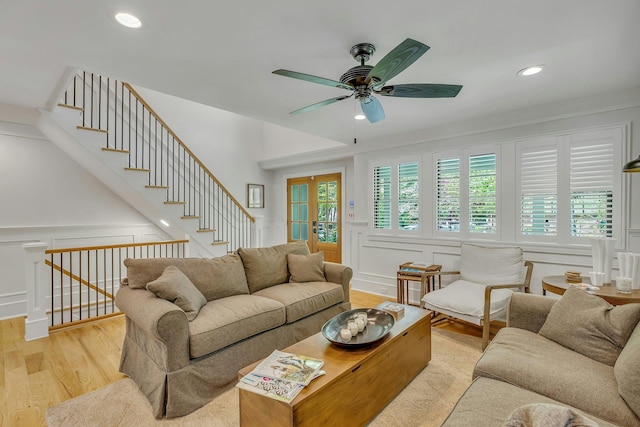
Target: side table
{"x":416,"y":272}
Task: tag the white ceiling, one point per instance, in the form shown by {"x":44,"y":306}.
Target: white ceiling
{"x":222,"y":54}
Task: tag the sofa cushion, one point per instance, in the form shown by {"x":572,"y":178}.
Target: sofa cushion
{"x":304,"y":299}
{"x":467,"y":298}
{"x":215,"y":278}
{"x":627,"y":371}
{"x":223,"y":322}
{"x":489,"y":403}
{"x":174,"y":286}
{"x":533,"y":362}
{"x":266,"y":267}
{"x":590,"y":325}
{"x":491,"y":265}
{"x":306,"y":268}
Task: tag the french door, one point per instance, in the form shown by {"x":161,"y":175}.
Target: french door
{"x":314,"y":207}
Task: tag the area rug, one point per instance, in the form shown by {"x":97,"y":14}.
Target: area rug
{"x":425,"y":402}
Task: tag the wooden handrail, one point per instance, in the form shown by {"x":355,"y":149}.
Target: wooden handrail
{"x":182,"y":144}
{"x":123,"y":245}
{"x":78,"y":279}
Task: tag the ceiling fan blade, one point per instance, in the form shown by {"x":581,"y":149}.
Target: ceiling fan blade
{"x":421,"y":90}
{"x":312,"y":79}
{"x":372,"y":109}
{"x":403,"y":55}
{"x":320,"y":104}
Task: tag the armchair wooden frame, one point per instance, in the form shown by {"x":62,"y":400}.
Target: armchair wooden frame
{"x":485,"y":322}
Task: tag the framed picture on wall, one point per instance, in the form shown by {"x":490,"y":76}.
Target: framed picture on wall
{"x":255,"y":195}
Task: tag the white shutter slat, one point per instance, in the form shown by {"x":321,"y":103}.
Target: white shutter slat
{"x":538,"y":191}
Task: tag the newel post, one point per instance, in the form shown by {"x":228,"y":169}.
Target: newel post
{"x":36,"y":324}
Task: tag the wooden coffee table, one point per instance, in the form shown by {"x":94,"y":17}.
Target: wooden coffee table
{"x":358,"y":384}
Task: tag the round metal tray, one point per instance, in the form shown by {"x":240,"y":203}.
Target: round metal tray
{"x":379,"y":323}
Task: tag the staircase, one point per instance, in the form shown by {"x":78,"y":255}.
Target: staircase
{"x":108,"y":128}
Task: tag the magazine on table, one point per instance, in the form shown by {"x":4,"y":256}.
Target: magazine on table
{"x":289,"y":367}
{"x":282,"y":390}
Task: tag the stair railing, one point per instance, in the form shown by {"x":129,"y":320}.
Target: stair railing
{"x":84,"y":281}
{"x":133,"y":127}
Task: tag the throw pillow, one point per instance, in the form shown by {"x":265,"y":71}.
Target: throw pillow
{"x":546,"y":415}
{"x":306,"y":268}
{"x":590,"y":325}
{"x":175,"y":287}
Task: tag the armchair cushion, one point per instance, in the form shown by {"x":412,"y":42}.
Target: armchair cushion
{"x":306,"y":268}
{"x":591,"y":326}
{"x":491,"y":265}
{"x":467,"y":299}
{"x":174,"y":286}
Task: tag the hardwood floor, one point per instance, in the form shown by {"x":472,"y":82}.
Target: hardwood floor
{"x":35,"y":375}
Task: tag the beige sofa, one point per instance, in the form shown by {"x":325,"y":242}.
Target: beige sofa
{"x":191,"y":324}
{"x":563,"y":359}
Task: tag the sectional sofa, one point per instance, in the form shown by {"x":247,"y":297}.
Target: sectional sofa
{"x":570,"y":362}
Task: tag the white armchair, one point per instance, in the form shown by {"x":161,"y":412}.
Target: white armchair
{"x":488,"y":277}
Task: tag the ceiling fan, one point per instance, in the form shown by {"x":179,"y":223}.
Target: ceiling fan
{"x":365,"y":80}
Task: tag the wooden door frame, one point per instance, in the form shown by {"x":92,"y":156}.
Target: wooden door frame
{"x":339,"y":170}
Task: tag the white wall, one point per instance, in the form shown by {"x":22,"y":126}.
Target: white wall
{"x":48,"y":197}
{"x":375,"y":258}
{"x":229,"y":145}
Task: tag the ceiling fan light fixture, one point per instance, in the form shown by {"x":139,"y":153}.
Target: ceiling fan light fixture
{"x":530,"y":71}
{"x":128,"y":20}
{"x":632,"y":166}
{"x":360,"y":117}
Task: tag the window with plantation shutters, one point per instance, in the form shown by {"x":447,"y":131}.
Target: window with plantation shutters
{"x":591,"y":186}
{"x":539,"y":190}
{"x":482,"y":193}
{"x":408,"y":196}
{"x":570,"y":186}
{"x":448,"y":194}
{"x":382,"y":197}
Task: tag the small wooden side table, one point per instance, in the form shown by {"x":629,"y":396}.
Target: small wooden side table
{"x":558,"y":285}
{"x":410,"y":272}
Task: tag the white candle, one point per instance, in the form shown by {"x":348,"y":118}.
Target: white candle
{"x":623,"y":284}
{"x":353,"y":326}
{"x":345,"y":334}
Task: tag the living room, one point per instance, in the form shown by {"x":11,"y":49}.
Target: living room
{"x":57,"y":201}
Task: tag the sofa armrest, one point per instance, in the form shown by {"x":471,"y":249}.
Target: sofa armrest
{"x":156,"y":320}
{"x":340,"y":274}
{"x":528,"y":311}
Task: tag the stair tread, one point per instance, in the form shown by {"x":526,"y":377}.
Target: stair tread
{"x":157,"y":187}
{"x":91,"y":129}
{"x":137,"y":169}
{"x":206,"y":230}
{"x":73,"y":107}
{"x":190,"y":217}
{"x":219,"y":242}
{"x":174,"y":202}
{"x":115,"y":150}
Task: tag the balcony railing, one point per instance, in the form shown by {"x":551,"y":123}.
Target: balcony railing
{"x":84,"y":281}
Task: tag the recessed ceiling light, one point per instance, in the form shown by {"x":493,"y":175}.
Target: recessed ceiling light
{"x":530,"y":71}
{"x":359,"y":117}
{"x":128,"y":20}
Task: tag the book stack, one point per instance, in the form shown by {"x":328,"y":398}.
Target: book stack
{"x":282,"y":376}
{"x":573,"y":277}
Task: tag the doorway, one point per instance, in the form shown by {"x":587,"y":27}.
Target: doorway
{"x":314,"y":213}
